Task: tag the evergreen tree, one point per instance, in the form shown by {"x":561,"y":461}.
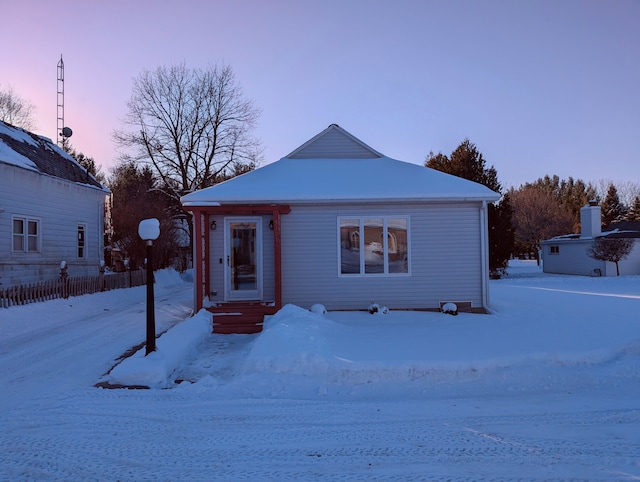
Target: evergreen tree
{"x":85,"y":161}
{"x":633,"y":214}
{"x":612,"y":209}
{"x":466,"y":161}
{"x":501,"y":235}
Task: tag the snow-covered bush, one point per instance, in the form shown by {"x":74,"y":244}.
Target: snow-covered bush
{"x":376,"y":309}
{"x":318,"y":308}
{"x":449,"y":309}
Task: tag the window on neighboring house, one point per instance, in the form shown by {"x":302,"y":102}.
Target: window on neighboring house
{"x":82,"y":253}
{"x":26,"y":235}
{"x":374,"y":245}
{"x":554,"y":249}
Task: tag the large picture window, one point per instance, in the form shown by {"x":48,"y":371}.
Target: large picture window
{"x":374,"y":245}
{"x":26,"y":235}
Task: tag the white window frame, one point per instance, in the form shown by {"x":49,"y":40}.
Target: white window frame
{"x":385,"y":241}
{"x":25,"y":235}
{"x":554,"y":249}
{"x":84,"y":245}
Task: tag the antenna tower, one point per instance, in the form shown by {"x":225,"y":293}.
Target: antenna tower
{"x":63,"y":132}
{"x":60,"y":101}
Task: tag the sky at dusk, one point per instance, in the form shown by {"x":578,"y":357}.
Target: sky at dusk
{"x":541,"y":87}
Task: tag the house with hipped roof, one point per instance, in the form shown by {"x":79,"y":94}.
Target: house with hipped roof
{"x":568,"y":254}
{"x":337,"y":223}
{"x":51,"y":210}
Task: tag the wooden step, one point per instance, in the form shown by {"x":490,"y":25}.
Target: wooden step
{"x":237,"y":323}
{"x":239,"y":318}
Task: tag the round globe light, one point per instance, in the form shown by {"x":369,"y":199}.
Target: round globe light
{"x":149,"y":229}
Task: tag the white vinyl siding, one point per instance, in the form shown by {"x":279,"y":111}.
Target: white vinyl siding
{"x":59,"y":206}
{"x":572,"y":258}
{"x":334,"y":145}
{"x":445,"y":257}
{"x":216,"y":256}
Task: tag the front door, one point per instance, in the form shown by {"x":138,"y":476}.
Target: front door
{"x":243,"y":252}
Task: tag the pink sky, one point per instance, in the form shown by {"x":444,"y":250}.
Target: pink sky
{"x":541,"y":87}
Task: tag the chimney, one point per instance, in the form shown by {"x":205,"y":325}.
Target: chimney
{"x":590,"y":220}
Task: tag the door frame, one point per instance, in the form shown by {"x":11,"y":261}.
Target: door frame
{"x":243,"y":295}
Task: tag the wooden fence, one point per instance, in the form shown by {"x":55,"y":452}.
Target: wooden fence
{"x":76,"y":286}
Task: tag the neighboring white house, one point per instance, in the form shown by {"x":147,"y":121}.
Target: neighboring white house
{"x":568,"y":254}
{"x":335,"y":222}
{"x":51,"y":210}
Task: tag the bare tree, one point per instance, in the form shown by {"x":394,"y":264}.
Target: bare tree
{"x":627,"y":190}
{"x":16,"y":111}
{"x":570,"y":194}
{"x":192,"y":126}
{"x":537,"y":215}
{"x":134,"y":199}
{"x":611,"y":249}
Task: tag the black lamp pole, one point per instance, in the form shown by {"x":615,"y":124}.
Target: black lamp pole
{"x":151,"y":320}
{"x":149,"y":229}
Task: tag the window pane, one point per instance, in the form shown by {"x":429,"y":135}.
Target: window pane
{"x":243,"y":257}
{"x":18,"y":242}
{"x":31,"y":236}
{"x":33,"y":243}
{"x":373,"y":246}
{"x":349,"y":246}
{"x":397,"y":245}
{"x":18,"y":235}
{"x":18,"y":226}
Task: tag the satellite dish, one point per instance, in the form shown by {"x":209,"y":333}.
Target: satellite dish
{"x":67,"y":132}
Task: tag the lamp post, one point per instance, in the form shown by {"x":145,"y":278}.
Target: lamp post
{"x":149,"y":230}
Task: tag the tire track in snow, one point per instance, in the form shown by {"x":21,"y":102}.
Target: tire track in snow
{"x":37,"y":357}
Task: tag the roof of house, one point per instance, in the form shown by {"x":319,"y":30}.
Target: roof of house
{"x":31,"y":151}
{"x":623,"y":229}
{"x":334,"y":166}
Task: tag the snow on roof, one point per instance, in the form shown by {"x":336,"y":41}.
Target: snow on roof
{"x":338,"y":180}
{"x":621,"y":233}
{"x":335,"y":179}
{"x":7,"y":154}
{"x":624,"y":229}
{"x":30,"y":151}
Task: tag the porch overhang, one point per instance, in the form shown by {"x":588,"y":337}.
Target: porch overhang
{"x":201,"y":242}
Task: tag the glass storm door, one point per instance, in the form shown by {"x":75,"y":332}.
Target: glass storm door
{"x":243,"y":251}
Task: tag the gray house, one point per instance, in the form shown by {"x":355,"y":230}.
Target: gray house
{"x":338,"y":223}
{"x":568,"y":254}
{"x":51,"y":210}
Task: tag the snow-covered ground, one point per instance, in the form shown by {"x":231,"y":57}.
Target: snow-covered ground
{"x":545,"y":388}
